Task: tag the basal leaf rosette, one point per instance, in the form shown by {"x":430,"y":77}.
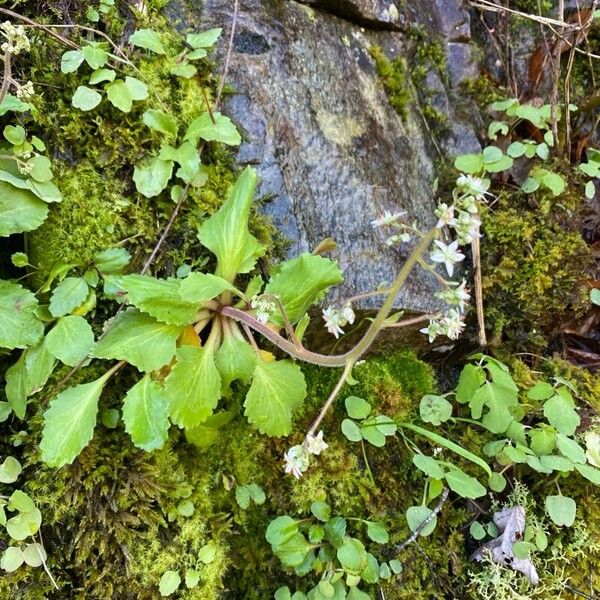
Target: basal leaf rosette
{"x":189,"y":349}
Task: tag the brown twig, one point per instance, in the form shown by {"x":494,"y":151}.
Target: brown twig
{"x":425,"y":522}
{"x":47,"y":29}
{"x":234,"y":17}
{"x":476,"y":251}
{"x":6,"y":78}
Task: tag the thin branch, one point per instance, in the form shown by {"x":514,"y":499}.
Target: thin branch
{"x":286,"y":320}
{"x":234,"y":17}
{"x":492,"y":7}
{"x":185,"y":192}
{"x":37,"y":547}
{"x":7,"y":76}
{"x":251,"y":339}
{"x":47,"y":29}
{"x":339,"y":360}
{"x":336,"y":390}
{"x":166,"y":230}
{"x":413,"y":321}
{"x":425,"y":522}
{"x":476,"y":251}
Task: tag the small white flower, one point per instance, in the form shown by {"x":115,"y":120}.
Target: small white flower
{"x":387,"y":218}
{"x":474,"y":185}
{"x":445,"y":214}
{"x":315,"y":445}
{"x":432,"y":330}
{"x":458,"y":296}
{"x":333,"y":321}
{"x":26,"y":91}
{"x":348,"y":314}
{"x":453,"y":325}
{"x":296,"y":461}
{"x":447,"y":254}
{"x":264,"y":308}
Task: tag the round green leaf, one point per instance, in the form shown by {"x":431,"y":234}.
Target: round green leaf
{"x":71,"y":61}
{"x":160,"y":121}
{"x":34,"y":555}
{"x":24,"y":524}
{"x":15,"y":134}
{"x":19,"y":327}
{"x":415,"y":515}
{"x":357,"y":408}
{"x":12,"y":559}
{"x":497,"y":482}
{"x":147,"y":39}
{"x":321,"y":511}
{"x":192,"y":578}
{"x":169,"y":583}
{"x":10,"y":470}
{"x":152,"y":175}
{"x":428,"y":465}
{"x":21,"y":501}
{"x":352,"y":556}
{"x":68,"y":295}
{"x":20,"y":210}
{"x":377,"y":532}
{"x":464,"y":485}
{"x":435,"y":409}
{"x":590,"y":190}
{"x":70,"y":340}
{"x":119,"y":95}
{"x":477,"y":530}
{"x":561,"y":510}
{"x":85,"y":98}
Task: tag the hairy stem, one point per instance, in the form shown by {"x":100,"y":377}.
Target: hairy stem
{"x":338,"y":360}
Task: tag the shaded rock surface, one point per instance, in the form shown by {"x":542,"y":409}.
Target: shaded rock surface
{"x":331,"y":152}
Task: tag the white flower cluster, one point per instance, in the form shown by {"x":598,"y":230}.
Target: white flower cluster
{"x":25,"y":168}
{"x":451,"y":326}
{"x":336,"y":318}
{"x":297,"y":458}
{"x":16,"y":40}
{"x":264,"y":308}
{"x":26,"y":91}
{"x":469,"y":190}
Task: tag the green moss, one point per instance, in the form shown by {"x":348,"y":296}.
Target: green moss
{"x":533,"y":263}
{"x":400,"y":80}
{"x":393,"y":75}
{"x":484,"y":91}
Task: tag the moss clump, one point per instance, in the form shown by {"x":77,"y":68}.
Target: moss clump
{"x":484,"y":91}
{"x":393,"y":73}
{"x":533,"y":263}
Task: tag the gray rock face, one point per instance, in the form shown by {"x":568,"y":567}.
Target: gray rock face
{"x":331,"y":152}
